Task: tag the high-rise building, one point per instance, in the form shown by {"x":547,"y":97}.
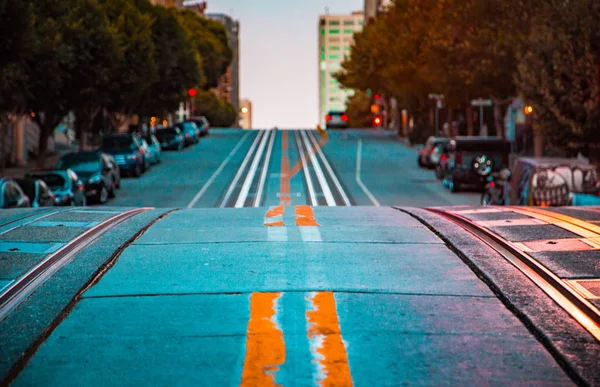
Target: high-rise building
{"x":336,"y":35}
{"x":374,"y":7}
{"x":229,"y":84}
{"x":245,"y":114}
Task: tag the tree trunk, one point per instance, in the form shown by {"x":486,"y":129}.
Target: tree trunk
{"x":469,"y":117}
{"x":449,"y":119}
{"x":498,"y":121}
{"x":538,"y":141}
{"x":50,"y":122}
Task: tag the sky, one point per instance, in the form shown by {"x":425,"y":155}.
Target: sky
{"x":279,"y":58}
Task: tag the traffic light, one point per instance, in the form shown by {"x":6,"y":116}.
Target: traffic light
{"x":377,"y":121}
{"x":377,"y":97}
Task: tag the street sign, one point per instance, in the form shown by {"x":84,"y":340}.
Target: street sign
{"x":481,"y":102}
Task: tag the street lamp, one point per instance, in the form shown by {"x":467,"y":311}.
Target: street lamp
{"x":244,"y":110}
{"x":528,"y":109}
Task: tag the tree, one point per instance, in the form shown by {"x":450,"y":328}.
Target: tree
{"x":218,"y":112}
{"x":210,"y":40}
{"x":559,"y":75}
{"x":358,"y":110}
{"x":177,"y":61}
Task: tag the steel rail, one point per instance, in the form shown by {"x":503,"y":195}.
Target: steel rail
{"x":577,"y":226}
{"x":245,"y":190}
{"x":334,"y":178}
{"x":309,"y":183}
{"x":584,"y":312}
{"x":241,"y":170}
{"x":265,"y":170}
{"x":318,"y":172}
{"x":15,"y":293}
{"x":46,"y":212}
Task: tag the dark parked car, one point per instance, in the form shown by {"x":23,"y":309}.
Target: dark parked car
{"x":471,"y":160}
{"x":170,"y":138}
{"x":153,"y":147}
{"x":335,"y":119}
{"x":66,"y":186}
{"x":127,"y":151}
{"x":190,"y":131}
{"x":429,"y":156}
{"x":37,"y":191}
{"x":96,"y":170}
{"x":11,"y":195}
{"x":546,"y":182}
{"x":202,"y":124}
{"x":442,"y":164}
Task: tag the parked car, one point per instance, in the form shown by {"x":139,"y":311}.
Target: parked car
{"x":190,"y":131}
{"x":11,"y":195}
{"x":336,"y":119}
{"x":170,"y":138}
{"x":66,"y":186}
{"x":96,"y":170}
{"x":37,"y":191}
{"x":153,"y":146}
{"x":546,"y":182}
{"x":202,"y":123}
{"x":127,"y":151}
{"x":111,"y":159}
{"x":429,"y":156}
{"x":442,"y":164}
{"x":471,"y":160}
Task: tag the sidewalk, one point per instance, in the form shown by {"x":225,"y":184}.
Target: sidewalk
{"x":51,"y":160}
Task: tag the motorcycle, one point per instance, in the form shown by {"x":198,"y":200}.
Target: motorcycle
{"x":493,"y":195}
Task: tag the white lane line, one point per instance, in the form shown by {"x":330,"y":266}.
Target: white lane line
{"x":330,"y":170}
{"x":238,"y":175}
{"x":371,"y":197}
{"x":277,"y":234}
{"x":218,"y":171}
{"x":243,"y":195}
{"x":310,"y":234}
{"x":263,"y":177}
{"x":319,"y":172}
{"x":309,"y":183}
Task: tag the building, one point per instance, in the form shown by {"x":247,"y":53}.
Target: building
{"x":229,"y":84}
{"x":168,"y":3}
{"x":336,"y":35}
{"x":195,"y":5}
{"x":374,"y":7}
{"x":245,"y":114}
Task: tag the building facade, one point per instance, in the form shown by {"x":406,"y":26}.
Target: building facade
{"x":168,"y":3}
{"x":229,"y":84}
{"x":336,"y":35}
{"x":198,"y":6}
{"x":374,"y":7}
{"x":245,"y":114}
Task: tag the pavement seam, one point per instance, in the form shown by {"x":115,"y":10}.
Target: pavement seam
{"x":28,"y":354}
{"x":537,"y":333}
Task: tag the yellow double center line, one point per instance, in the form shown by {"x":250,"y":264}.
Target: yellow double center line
{"x":265,"y":338}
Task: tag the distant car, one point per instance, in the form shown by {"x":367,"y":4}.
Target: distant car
{"x":96,"y":170}
{"x":202,"y":123}
{"x":430,"y":154}
{"x":190,"y":131}
{"x":153,"y":146}
{"x":442,"y":164}
{"x":11,"y":194}
{"x":336,"y":119}
{"x":37,"y":191}
{"x":170,"y":138}
{"x":546,"y":182}
{"x":471,"y":160}
{"x":66,"y":186}
{"x":127,"y":151}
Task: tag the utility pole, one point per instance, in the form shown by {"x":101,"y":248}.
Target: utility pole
{"x":439,"y":103}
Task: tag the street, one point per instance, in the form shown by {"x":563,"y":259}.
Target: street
{"x":388,"y":170}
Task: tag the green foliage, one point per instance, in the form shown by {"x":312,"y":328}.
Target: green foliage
{"x":210,"y":39}
{"x":218,"y":112}
{"x":358,"y":110}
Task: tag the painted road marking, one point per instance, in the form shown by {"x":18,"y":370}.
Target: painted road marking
{"x":305,"y":216}
{"x":217,"y":172}
{"x":371,"y":197}
{"x":265,"y":169}
{"x":284,"y":181}
{"x":319,"y":173}
{"x":274,"y":217}
{"x":265,"y":345}
{"x":243,"y":195}
{"x":309,"y":183}
{"x":241,"y":169}
{"x":326,"y":343}
{"x":330,"y":170}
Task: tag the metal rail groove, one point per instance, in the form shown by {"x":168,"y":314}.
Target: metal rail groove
{"x":584,"y":312}
{"x":25,"y":220}
{"x":15,"y":293}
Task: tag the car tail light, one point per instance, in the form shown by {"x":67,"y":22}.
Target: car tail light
{"x":492,"y":185}
{"x":444,"y":158}
{"x":458,"y":159}
{"x":328,"y":118}
{"x":344,"y":118}
{"x":80,"y":188}
{"x":65,"y":198}
{"x":187,"y":135}
{"x":377,"y":121}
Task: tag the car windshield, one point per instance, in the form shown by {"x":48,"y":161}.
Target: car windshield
{"x":53,"y":180}
{"x":28,"y":187}
{"x":80,"y":163}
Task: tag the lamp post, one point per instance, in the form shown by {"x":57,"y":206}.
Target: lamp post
{"x":439,"y":103}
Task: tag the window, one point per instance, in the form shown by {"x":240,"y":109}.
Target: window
{"x":335,"y":99}
{"x":334,"y":48}
{"x":334,"y":57}
{"x":361,"y":22}
{"x":322,"y":31}
{"x":334,"y":22}
{"x":348,"y":22}
{"x":347,"y":32}
{"x":348,"y":48}
{"x":323,"y":57}
{"x":333,"y":82}
{"x":334,"y":32}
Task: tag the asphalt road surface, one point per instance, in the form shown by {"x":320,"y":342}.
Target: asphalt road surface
{"x":228,"y":265}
